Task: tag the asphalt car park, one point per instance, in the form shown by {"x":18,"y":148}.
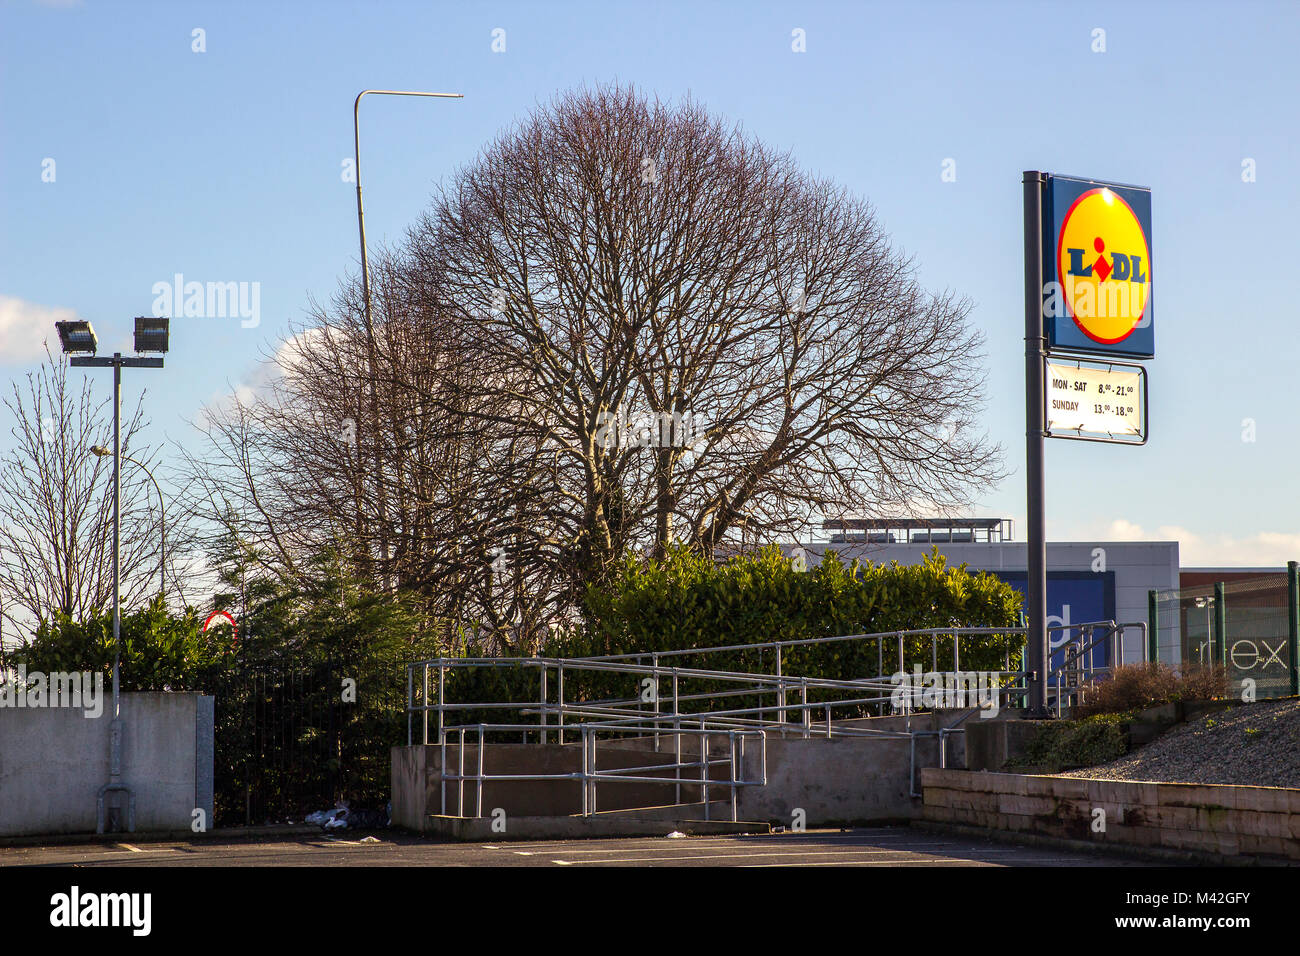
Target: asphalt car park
{"x":867,"y":847}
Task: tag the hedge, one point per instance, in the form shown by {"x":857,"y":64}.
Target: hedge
{"x":686,"y":600}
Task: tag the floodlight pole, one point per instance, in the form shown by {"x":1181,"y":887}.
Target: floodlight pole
{"x":115,"y":764}
{"x":115,"y":728}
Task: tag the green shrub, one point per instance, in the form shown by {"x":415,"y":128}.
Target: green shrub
{"x":1058,"y":745}
{"x":687,"y":600}
{"x":160,"y":650}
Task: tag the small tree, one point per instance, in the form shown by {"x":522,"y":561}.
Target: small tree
{"x":56,"y":505}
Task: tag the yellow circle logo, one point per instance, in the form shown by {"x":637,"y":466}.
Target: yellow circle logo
{"x":1104,"y":266}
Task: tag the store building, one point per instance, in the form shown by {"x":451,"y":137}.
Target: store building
{"x":1086,"y":580}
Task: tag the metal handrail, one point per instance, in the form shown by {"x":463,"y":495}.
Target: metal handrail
{"x":588,"y":720}
{"x":590,"y":775}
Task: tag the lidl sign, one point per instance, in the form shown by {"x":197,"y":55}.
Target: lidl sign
{"x":1097,"y":268}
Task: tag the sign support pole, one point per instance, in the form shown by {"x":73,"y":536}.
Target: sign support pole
{"x":1037,"y":655}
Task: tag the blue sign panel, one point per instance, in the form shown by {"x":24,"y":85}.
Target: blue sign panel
{"x":1097,"y":268}
{"x":1073,"y":597}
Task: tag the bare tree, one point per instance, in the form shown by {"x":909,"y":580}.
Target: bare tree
{"x":619,"y":257}
{"x":625,"y":324}
{"x":285,"y":471}
{"x":56,"y":506}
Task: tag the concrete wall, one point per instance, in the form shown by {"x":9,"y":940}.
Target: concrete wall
{"x":53,"y":760}
{"x":840,"y":780}
{"x":1216,"y":819}
{"x":991,"y":743}
{"x":1139,"y":566}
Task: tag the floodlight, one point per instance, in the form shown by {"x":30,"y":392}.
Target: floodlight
{"x":151,"y":334}
{"x":77,"y":336}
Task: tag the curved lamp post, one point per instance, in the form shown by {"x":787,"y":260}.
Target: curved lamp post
{"x":102,"y":452}
{"x":361,"y":229}
{"x":356,"y":146}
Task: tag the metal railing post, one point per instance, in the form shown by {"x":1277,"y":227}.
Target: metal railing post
{"x":704,"y":768}
{"x":460,"y":781}
{"x":677,"y":738}
{"x":803,"y":701}
{"x":559,"y":690}
{"x":1221,"y":623}
{"x":677,"y":769}
{"x":542,"y":716}
{"x":595,"y":775}
{"x":1293,"y":622}
{"x":654,"y":662}
{"x":780,"y":689}
{"x":586,"y":811}
{"x":478,"y":809}
{"x":732,"y":735}
{"x":1153,"y":631}
{"x":442,"y":674}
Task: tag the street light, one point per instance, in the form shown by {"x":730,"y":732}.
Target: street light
{"x":77,"y":338}
{"x":365,"y":259}
{"x":102,"y":452}
{"x":356,"y":145}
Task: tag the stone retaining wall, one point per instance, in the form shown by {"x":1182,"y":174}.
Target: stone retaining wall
{"x":1218,"y":819}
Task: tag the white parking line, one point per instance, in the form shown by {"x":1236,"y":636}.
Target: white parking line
{"x":730,"y":856}
{"x":136,"y":849}
{"x":728,"y":839}
{"x":689,"y":847}
{"x":932,"y":861}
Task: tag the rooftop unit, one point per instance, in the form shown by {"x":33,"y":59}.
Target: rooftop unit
{"x":918,"y":530}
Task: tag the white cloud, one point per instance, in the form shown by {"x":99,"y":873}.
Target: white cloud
{"x":259,"y":381}
{"x":24,"y":328}
{"x":1264,"y":549}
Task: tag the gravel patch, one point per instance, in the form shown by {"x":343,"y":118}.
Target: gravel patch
{"x":1250,"y":745}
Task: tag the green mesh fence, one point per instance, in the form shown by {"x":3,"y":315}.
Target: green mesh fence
{"x":1245,"y":625}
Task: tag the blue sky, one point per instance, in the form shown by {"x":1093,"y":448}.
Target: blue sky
{"x":225,"y":165}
